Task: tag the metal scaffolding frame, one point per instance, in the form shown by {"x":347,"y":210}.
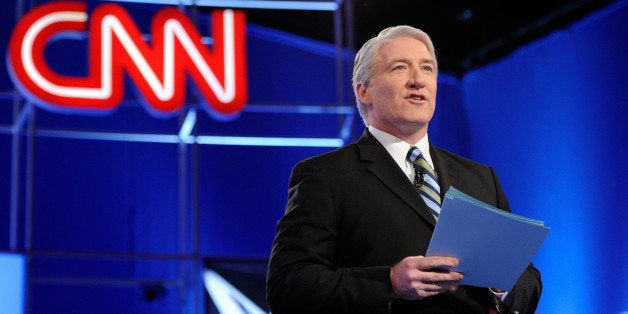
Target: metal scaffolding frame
{"x":24,"y":132}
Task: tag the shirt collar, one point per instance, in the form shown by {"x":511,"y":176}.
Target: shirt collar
{"x":398,"y":149}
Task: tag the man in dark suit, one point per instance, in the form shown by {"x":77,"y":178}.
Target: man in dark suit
{"x":355,"y":230}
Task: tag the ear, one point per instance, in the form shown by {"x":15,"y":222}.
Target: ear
{"x":362,"y":93}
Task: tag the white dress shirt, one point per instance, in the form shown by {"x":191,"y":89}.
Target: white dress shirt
{"x":398,"y":150}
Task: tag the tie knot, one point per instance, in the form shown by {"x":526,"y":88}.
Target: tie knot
{"x":416,"y":157}
{"x":413,"y":154}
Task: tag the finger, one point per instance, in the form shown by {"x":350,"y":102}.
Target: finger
{"x":439,"y":276}
{"x":437,"y":262}
{"x":425,"y":290}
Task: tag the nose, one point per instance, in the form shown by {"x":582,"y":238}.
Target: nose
{"x":416,"y":80}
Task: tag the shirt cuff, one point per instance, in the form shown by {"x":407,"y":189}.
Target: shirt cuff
{"x":501,"y":296}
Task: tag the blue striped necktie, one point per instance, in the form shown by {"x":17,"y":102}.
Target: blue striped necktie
{"x":425,"y":180}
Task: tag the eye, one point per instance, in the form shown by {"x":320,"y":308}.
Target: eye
{"x":399,"y":67}
{"x":428,"y":68}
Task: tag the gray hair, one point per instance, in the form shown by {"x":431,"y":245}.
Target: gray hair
{"x":363,"y":65}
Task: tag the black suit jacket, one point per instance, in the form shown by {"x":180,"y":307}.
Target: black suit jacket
{"x":352,"y":214}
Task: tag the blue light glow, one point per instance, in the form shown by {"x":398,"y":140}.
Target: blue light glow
{"x":188,"y":125}
{"x":21,"y":119}
{"x":269,"y":141}
{"x":300,"y":109}
{"x":12,"y":283}
{"x":201,"y":139}
{"x":226,"y":298}
{"x":243,"y":4}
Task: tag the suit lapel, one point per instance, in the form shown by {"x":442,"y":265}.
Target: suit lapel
{"x":444,"y":169}
{"x":382,"y":165}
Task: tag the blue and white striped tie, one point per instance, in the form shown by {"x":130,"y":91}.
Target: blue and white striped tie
{"x":425,"y":180}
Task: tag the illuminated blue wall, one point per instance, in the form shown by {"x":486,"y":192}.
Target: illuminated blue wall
{"x":552,"y":119}
{"x":115,"y":214}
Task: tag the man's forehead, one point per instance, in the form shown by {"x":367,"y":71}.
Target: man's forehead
{"x":408,"y":49}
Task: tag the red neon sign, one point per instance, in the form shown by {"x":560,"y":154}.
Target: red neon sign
{"x":116,"y":47}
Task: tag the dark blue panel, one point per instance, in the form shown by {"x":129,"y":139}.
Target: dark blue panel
{"x":104,"y":196}
{"x":94,"y":299}
{"x":5,"y":189}
{"x":301,"y":72}
{"x":7,"y":20}
{"x":242,"y":194}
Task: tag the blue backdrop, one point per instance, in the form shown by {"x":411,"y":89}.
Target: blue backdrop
{"x":552,"y":119}
{"x":109,"y":210}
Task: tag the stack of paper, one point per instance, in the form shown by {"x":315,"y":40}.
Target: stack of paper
{"x":493,"y":246}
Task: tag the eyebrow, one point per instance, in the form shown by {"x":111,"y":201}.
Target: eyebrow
{"x":406,"y":60}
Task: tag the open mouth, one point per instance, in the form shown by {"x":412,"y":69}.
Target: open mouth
{"x":417,"y":97}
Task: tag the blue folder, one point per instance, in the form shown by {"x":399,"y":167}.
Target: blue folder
{"x":493,"y":246}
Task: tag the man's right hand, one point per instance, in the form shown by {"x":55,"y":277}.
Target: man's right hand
{"x":418,"y":277}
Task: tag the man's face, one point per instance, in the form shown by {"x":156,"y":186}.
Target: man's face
{"x":401,"y":96}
